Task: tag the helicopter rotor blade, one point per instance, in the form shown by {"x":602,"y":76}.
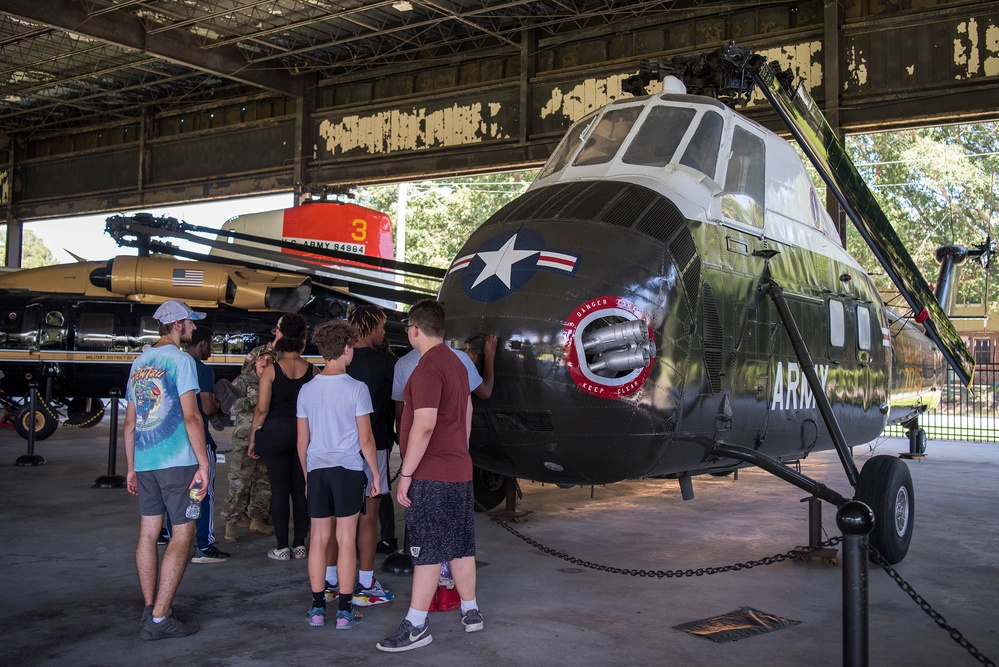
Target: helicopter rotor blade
{"x":805,"y":121}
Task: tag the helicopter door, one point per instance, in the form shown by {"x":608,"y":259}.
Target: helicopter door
{"x":865,"y":346}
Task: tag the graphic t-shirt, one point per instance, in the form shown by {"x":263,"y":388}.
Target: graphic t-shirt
{"x":332,"y":404}
{"x":158,"y":378}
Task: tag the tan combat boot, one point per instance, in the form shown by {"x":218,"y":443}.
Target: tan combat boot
{"x":232,"y":532}
{"x":260,"y":528}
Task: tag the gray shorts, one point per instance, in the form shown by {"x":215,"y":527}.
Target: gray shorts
{"x":440,"y":521}
{"x":165,"y":491}
{"x":382,"y":471}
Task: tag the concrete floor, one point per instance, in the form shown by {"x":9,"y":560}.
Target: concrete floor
{"x":70,"y":595}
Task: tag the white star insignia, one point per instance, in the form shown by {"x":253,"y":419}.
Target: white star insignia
{"x":500,"y":262}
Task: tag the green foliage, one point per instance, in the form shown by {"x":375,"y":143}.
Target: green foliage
{"x":34,"y":253}
{"x":440,"y":215}
{"x":937,"y":185}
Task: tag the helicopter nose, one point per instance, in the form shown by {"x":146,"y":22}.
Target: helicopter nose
{"x":582,"y":310}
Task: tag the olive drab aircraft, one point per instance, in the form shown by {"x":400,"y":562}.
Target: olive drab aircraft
{"x":673,"y":300}
{"x":75,"y":329}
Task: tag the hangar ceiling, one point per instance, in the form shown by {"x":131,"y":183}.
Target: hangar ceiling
{"x":67,"y":63}
{"x":110,"y":105}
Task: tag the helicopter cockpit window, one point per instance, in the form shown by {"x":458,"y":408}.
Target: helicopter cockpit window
{"x":606,"y":138}
{"x":745,"y":184}
{"x":656,"y":141}
{"x":561,"y":156}
{"x":837,"y":323}
{"x":702,"y":150}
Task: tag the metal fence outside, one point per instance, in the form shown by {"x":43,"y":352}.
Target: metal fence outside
{"x":962,"y":415}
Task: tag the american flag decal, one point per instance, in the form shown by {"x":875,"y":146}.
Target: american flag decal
{"x":188,"y":278}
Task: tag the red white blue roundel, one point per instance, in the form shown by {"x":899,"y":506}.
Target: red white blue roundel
{"x":504,"y":263}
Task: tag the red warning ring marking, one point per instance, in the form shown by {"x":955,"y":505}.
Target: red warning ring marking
{"x":591,"y":383}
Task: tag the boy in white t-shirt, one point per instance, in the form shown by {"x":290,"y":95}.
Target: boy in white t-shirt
{"x":334,"y":433}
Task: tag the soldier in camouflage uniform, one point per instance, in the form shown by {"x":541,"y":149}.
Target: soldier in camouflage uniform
{"x":249,"y":486}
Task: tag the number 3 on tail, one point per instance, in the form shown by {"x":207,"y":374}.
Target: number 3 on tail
{"x":360,"y":232}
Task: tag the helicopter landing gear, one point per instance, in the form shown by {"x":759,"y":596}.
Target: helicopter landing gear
{"x":490,"y":488}
{"x":84,"y":412}
{"x":46,"y":420}
{"x":886,"y":487}
{"x":917,"y":441}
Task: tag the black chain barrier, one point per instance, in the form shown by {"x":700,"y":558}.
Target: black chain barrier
{"x":954,"y":633}
{"x":668,"y":574}
{"x":793,"y":554}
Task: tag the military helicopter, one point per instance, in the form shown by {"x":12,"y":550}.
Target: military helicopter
{"x":75,"y":329}
{"x":673,"y":300}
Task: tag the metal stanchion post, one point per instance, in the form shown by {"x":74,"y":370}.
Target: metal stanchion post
{"x":399,"y":562}
{"x":31,"y":459}
{"x":855,"y":520}
{"x":111,"y":480}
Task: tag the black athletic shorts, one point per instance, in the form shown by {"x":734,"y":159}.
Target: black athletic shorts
{"x":440,"y":521}
{"x":336,"y":492}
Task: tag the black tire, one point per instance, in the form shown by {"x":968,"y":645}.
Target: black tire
{"x":77,"y":415}
{"x":919,"y":441}
{"x":489,"y":488}
{"x":46,"y":421}
{"x":886,"y":487}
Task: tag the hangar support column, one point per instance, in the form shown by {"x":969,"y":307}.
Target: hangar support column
{"x":831,"y":81}
{"x":15,"y":236}
{"x":305,"y":108}
{"x":14,"y":232}
{"x":528,"y":67}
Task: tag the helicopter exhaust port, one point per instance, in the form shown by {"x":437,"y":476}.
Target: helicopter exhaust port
{"x":609,"y":347}
{"x":619,"y":347}
{"x":622,"y":360}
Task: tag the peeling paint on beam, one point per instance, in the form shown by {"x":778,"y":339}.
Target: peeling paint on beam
{"x":969,"y":45}
{"x":396,"y":131}
{"x":570,"y":103}
{"x":584,"y":97}
{"x":804,"y":59}
{"x":960,"y":49}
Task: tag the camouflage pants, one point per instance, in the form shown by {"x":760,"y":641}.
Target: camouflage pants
{"x":249,"y":486}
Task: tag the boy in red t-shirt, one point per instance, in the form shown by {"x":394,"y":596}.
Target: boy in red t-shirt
{"x":435,"y":484}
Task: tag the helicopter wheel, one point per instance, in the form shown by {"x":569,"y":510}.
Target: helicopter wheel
{"x":489,"y":488}
{"x":79,"y":414}
{"x":46,"y":421}
{"x":917,"y":441}
{"x":886,"y":487}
